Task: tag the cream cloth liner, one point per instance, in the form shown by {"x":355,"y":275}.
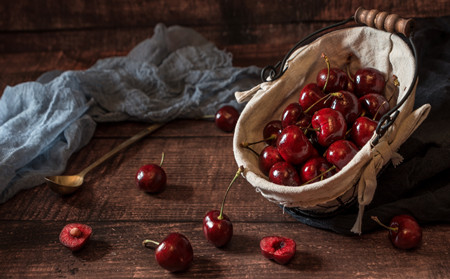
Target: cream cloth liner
{"x":370,"y":48}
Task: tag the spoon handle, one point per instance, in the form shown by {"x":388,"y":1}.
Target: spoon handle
{"x":121,"y":146}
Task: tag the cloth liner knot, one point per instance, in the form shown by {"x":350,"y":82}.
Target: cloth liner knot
{"x":382,"y":153}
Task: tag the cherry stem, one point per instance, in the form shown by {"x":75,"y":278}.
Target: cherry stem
{"x":396,"y":82}
{"x":162,"y":159}
{"x":324,"y":99}
{"x":328,"y":73}
{"x":149,"y":241}
{"x":348,"y":67}
{"x":208,"y":116}
{"x":246,"y":144}
{"x":375,"y":218}
{"x":251,"y":149}
{"x":320,"y":175}
{"x":240,"y":170}
{"x":378,"y":110}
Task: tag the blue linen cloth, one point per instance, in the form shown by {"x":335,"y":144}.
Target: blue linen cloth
{"x":176,"y":73}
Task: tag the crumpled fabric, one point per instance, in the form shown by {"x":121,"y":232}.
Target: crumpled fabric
{"x":176,"y":73}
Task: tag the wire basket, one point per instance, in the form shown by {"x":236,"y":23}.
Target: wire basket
{"x":384,"y":43}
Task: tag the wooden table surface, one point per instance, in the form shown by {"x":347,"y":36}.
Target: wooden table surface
{"x":199,"y":161}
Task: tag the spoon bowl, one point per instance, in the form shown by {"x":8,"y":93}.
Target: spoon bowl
{"x":67,"y":184}
{"x":64,"y":184}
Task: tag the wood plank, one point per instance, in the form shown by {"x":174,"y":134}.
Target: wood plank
{"x":198,"y":175}
{"x":41,"y":15}
{"x":115,"y":250}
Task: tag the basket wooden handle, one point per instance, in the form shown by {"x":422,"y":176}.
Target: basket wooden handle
{"x":384,"y":21}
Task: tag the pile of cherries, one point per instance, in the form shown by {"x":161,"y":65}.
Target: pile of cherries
{"x":318,"y":135}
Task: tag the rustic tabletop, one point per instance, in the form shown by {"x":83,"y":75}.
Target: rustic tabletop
{"x":199,"y":163}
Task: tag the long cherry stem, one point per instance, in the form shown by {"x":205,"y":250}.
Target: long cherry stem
{"x":251,"y":149}
{"x":375,"y":218}
{"x":162,"y":159}
{"x":324,"y":99}
{"x":320,"y":175}
{"x":349,"y":75}
{"x":328,"y":73}
{"x":246,"y":144}
{"x":149,"y":241}
{"x":240,"y":170}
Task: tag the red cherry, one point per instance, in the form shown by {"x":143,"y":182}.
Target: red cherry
{"x":369,"y":80}
{"x":174,"y":253}
{"x":271,"y":131}
{"x":283,"y":173}
{"x":226,"y":118}
{"x":331,"y":79}
{"x":294,"y":146}
{"x":217,"y":227}
{"x":375,"y":105}
{"x":278,"y":248}
{"x":330,"y":126}
{"x":316,"y":169}
{"x":337,"y":80}
{"x":340,"y":152}
{"x":362,"y":130}
{"x":268,"y":157}
{"x":151,"y":178}
{"x":347,"y":104}
{"x":291,"y":114}
{"x":404,"y":231}
{"x":408,"y":235}
{"x":309,"y":98}
{"x":217,"y":231}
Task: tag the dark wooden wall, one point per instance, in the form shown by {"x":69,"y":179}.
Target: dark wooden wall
{"x":74,"y":34}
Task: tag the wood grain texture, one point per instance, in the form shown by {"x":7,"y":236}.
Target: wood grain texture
{"x":115,"y":250}
{"x":40,"y":36}
{"x":43,"y":15}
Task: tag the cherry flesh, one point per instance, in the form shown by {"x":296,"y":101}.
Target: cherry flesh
{"x":283,"y":173}
{"x":226,"y":118}
{"x":151,"y":178}
{"x":294,"y":146}
{"x":340,"y":152}
{"x":174,"y":253}
{"x":330,"y":126}
{"x":362,"y":130}
{"x":268,"y":157}
{"x":369,"y":80}
{"x":217,"y":227}
{"x":75,"y":236}
{"x":278,"y":248}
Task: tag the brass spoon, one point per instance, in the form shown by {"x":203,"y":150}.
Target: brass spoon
{"x":67,"y":184}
